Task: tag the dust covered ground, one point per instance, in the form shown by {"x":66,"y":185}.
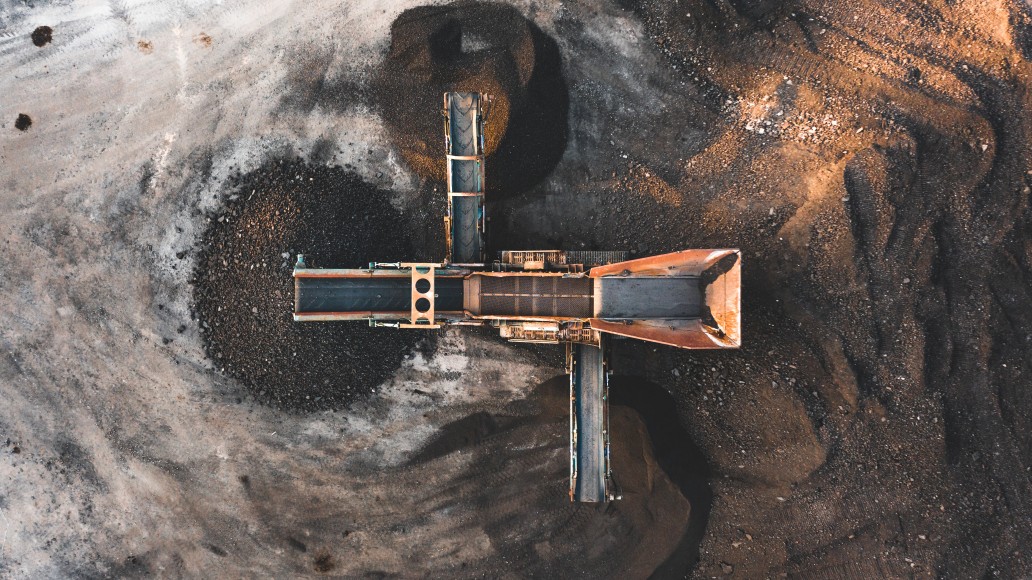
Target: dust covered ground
{"x":162,"y":162}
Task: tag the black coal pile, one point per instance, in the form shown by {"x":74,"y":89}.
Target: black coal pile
{"x":489,"y":48}
{"x":243,"y":289}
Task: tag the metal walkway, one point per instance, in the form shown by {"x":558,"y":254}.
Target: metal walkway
{"x":529,"y":295}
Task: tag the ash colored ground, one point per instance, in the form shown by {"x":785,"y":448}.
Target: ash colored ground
{"x":871,"y":159}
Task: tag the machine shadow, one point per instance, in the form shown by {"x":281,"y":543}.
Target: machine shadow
{"x":678,"y":456}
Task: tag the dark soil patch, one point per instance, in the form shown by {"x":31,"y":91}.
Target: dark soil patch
{"x":473,"y":46}
{"x":42,"y":36}
{"x":297,"y":545}
{"x":23,"y":122}
{"x":470,"y":431}
{"x":324,"y":563}
{"x":215,"y":550}
{"x":244,"y":289}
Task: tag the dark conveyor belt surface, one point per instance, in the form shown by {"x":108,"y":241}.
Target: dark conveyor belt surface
{"x":466,"y":231}
{"x":370,"y":294}
{"x":462,"y":116}
{"x":589,"y":390}
{"x":465,"y":176}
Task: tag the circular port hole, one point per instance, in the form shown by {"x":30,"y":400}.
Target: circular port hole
{"x":422,"y":285}
{"x":422,"y":305}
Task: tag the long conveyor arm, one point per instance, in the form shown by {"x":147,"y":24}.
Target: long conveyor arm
{"x":589,"y":424}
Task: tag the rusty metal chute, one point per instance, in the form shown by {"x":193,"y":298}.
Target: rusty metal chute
{"x":688,"y":299}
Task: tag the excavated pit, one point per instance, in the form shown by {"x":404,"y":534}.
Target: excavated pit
{"x":244,"y":291}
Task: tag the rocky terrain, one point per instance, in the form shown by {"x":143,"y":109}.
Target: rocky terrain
{"x":162,"y":163}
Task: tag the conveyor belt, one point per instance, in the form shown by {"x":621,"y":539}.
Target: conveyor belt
{"x":462,"y":114}
{"x":369,"y":294}
{"x":589,"y":386}
{"x":466,"y":230}
{"x":465,"y":175}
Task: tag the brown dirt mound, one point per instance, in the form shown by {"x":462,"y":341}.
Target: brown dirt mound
{"x":482,"y":47}
{"x":521,"y":496}
{"x":243,"y":289}
{"x":876,"y":420}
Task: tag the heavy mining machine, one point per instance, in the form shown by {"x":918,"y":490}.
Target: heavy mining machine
{"x":688,"y":299}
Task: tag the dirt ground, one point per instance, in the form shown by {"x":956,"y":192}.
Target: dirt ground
{"x":162,"y":162}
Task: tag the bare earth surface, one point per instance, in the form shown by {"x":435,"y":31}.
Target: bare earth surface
{"x":161,"y":163}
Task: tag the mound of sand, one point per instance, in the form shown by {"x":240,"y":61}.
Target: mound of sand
{"x":489,"y":48}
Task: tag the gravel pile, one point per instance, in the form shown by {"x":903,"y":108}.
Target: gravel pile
{"x":244,"y":289}
{"x":470,"y":46}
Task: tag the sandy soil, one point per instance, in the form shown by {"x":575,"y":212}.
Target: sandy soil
{"x":871,"y":159}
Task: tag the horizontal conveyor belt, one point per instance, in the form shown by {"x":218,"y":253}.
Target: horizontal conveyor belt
{"x":370,"y":294}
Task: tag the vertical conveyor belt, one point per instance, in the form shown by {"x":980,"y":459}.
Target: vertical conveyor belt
{"x":588,"y":443}
{"x":465,"y":178}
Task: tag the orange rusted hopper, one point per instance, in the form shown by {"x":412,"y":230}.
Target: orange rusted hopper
{"x":688,"y":299}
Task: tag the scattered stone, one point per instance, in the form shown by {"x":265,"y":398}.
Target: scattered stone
{"x":42,"y":36}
